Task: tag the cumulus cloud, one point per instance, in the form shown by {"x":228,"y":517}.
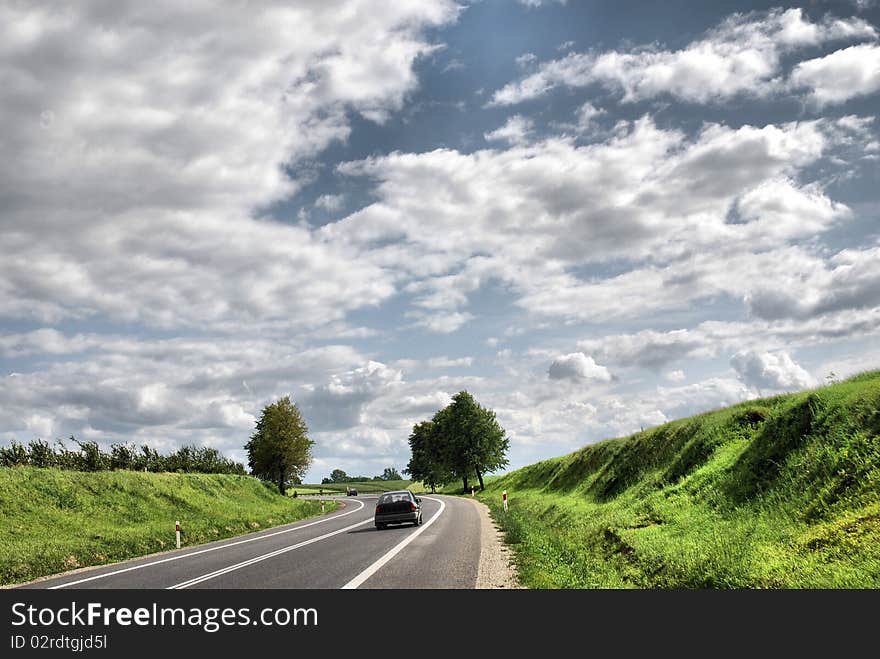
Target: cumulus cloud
{"x":646,"y":194}
{"x":655,"y":350}
{"x":516,"y":130}
{"x":813,"y":287}
{"x":446,"y":362}
{"x":538,"y":3}
{"x":441,"y":323}
{"x":132,"y":169}
{"x":841,"y":75}
{"x":741,"y":55}
{"x":340,"y":403}
{"x":774,"y":371}
{"x":709,"y":394}
{"x":577,"y":366}
{"x":330,"y":202}
{"x":675,"y":376}
{"x":586,"y":116}
{"x":649,"y":348}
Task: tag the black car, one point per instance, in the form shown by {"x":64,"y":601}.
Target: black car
{"x":350,"y":491}
{"x":398,"y":507}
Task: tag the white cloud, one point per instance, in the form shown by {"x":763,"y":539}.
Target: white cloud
{"x":132,"y":169}
{"x":586,"y":116}
{"x":841,"y":75}
{"x":742,"y":55}
{"x":647,"y":195}
{"x":446,"y":362}
{"x":341,"y":403}
{"x":652,"y":349}
{"x":330,"y":202}
{"x":525,"y":59}
{"x":442,"y":323}
{"x":655,"y":350}
{"x":538,"y":3}
{"x":516,"y":131}
{"x":775,"y":371}
{"x":577,"y":366}
{"x":675,"y":376}
{"x":812,"y":287}
{"x":709,"y":394}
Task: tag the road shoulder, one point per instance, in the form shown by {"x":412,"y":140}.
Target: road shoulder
{"x":496,"y":569}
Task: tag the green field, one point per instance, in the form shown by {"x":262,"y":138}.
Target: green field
{"x":363,"y":487}
{"x":782,"y":492}
{"x":55,"y":520}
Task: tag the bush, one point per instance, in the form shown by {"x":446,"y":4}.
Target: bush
{"x":89,"y":457}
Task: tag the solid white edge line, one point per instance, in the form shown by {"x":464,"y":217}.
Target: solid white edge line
{"x":257,"y":559}
{"x":205,"y":551}
{"x":370,"y":571}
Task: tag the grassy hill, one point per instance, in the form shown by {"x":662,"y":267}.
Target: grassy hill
{"x":363,"y":487}
{"x":781,"y":492}
{"x":55,"y":520}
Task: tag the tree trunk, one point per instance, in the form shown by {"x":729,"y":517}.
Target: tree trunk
{"x":480,"y":476}
{"x":281,"y":483}
{"x":465,"y":484}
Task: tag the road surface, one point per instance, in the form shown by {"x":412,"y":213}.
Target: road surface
{"x":341,"y":549}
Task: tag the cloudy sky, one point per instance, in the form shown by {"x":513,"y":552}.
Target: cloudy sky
{"x":594,"y":216}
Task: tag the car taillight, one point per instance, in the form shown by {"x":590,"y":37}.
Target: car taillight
{"x":412,"y":506}
{"x":377,"y":508}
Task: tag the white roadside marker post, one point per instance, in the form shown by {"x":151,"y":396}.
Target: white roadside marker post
{"x":322,"y":506}
{"x":472,"y":490}
{"x":177,"y":532}
{"x":504,"y":499}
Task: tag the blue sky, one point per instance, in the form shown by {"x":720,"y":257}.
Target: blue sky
{"x":594,"y":216}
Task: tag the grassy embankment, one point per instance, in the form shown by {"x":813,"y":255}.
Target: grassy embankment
{"x":55,"y":520}
{"x":363,"y":487}
{"x":781,"y":492}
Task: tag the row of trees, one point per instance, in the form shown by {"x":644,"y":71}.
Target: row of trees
{"x":339,"y":476}
{"x":461,"y":441}
{"x":88,"y":456}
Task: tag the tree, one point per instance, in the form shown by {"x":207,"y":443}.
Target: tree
{"x":428,"y":461}
{"x":391,"y":474}
{"x":280,"y":449}
{"x":338,"y":476}
{"x":473,"y":441}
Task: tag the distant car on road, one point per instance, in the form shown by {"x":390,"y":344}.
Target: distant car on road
{"x":398,"y":507}
{"x":351,"y":492}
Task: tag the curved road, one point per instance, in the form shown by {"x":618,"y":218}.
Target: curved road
{"x":339,"y":550}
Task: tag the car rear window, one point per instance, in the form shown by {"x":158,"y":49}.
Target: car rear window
{"x":394,"y":498}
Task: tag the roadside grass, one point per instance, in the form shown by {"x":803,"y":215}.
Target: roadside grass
{"x":781,"y":492}
{"x":56,"y":520}
{"x":363,"y":487}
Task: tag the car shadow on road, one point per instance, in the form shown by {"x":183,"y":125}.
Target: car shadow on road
{"x":373,"y":529}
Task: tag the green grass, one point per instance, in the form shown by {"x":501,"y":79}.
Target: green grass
{"x":782,"y":492}
{"x":56,"y":520}
{"x":363,"y":487}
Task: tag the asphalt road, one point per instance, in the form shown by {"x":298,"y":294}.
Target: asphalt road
{"x":342,"y":549}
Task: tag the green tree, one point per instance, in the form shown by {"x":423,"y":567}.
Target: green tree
{"x":391,"y":474}
{"x":280,"y":449}
{"x":41,"y":454}
{"x":428,"y":461}
{"x":473,"y":441}
{"x":338,"y":476}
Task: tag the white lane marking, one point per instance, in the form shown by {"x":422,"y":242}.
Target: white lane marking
{"x":257,"y":559}
{"x":205,"y":551}
{"x":370,"y":571}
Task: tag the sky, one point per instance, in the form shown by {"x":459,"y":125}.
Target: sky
{"x":595,"y":217}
